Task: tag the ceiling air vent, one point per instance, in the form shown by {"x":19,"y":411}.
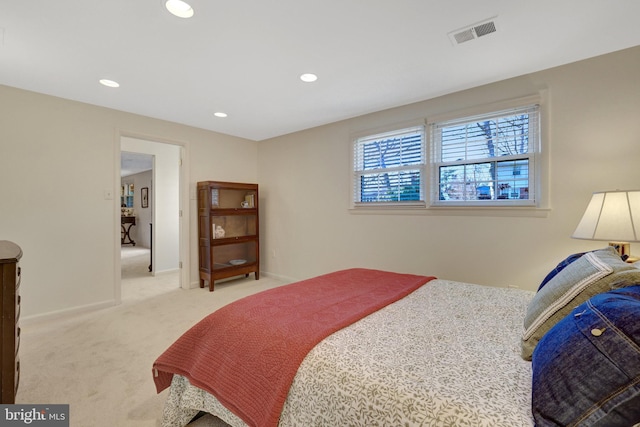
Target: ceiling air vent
{"x":473,"y":32}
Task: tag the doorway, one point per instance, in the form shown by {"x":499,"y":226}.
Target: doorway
{"x":150,"y":192}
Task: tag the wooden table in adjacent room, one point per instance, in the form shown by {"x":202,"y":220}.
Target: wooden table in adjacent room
{"x":127,"y":222}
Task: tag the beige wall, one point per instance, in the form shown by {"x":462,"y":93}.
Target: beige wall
{"x":57,"y":158}
{"x":592,"y":140}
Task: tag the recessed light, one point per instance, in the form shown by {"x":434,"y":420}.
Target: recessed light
{"x":308,"y":77}
{"x":109,"y":83}
{"x":179,"y":8}
{"x":220,"y":114}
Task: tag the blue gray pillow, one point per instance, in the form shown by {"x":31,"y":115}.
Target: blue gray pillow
{"x":586,"y":369}
{"x":564,"y":263}
{"x":561,"y":266}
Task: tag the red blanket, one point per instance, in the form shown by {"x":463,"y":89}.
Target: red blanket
{"x":247,"y":353}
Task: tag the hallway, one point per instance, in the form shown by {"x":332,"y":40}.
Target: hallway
{"x":137,"y":282}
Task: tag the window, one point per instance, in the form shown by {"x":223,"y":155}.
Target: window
{"x":487,"y":159}
{"x":389,"y":168}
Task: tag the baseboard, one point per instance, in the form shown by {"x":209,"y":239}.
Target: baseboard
{"x":69,"y":312}
{"x":172,"y":270}
{"x":287,"y":279}
{"x":279,"y":277}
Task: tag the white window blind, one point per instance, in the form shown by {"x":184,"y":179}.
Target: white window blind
{"x":388,"y":168}
{"x":486,"y":159}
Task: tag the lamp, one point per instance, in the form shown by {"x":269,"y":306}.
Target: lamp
{"x":612,"y":216}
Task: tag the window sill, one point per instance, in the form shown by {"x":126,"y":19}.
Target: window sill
{"x":481,"y":211}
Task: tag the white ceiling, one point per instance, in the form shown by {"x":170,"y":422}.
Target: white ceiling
{"x":244,"y":57}
{"x":133,"y":163}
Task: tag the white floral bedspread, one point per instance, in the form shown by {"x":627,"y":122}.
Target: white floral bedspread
{"x":446,"y":355}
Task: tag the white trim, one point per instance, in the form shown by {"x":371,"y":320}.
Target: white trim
{"x":389,"y":128}
{"x":380,"y":133}
{"x":67,"y":312}
{"x":117,"y":265}
{"x":487,"y":108}
{"x":279,"y":277}
{"x":535,"y":165}
{"x":185,"y":203}
{"x":488,"y":211}
{"x":539,"y":159}
{"x":184,"y":199}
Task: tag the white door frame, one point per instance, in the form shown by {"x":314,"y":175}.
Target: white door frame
{"x":184,"y":253}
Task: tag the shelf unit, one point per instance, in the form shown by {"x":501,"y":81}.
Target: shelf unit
{"x":228,"y":231}
{"x":126,"y":195}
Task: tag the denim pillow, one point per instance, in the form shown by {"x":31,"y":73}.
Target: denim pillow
{"x":586,"y":369}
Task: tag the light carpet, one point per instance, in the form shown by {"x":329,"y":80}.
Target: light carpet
{"x":100,"y":362}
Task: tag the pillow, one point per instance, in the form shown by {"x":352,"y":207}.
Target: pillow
{"x":568,"y":260}
{"x":565,"y":262}
{"x":586,"y":369}
{"x":593,"y":273}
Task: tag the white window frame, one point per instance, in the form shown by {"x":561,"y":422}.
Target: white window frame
{"x":488,"y":111}
{"x":357,"y":170}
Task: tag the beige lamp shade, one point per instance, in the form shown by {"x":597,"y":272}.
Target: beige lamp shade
{"x":612,"y":216}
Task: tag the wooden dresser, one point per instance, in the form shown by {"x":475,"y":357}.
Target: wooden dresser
{"x":10,"y":255}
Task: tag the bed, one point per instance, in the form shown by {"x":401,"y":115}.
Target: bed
{"x":447,"y":353}
{"x":363,"y":347}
